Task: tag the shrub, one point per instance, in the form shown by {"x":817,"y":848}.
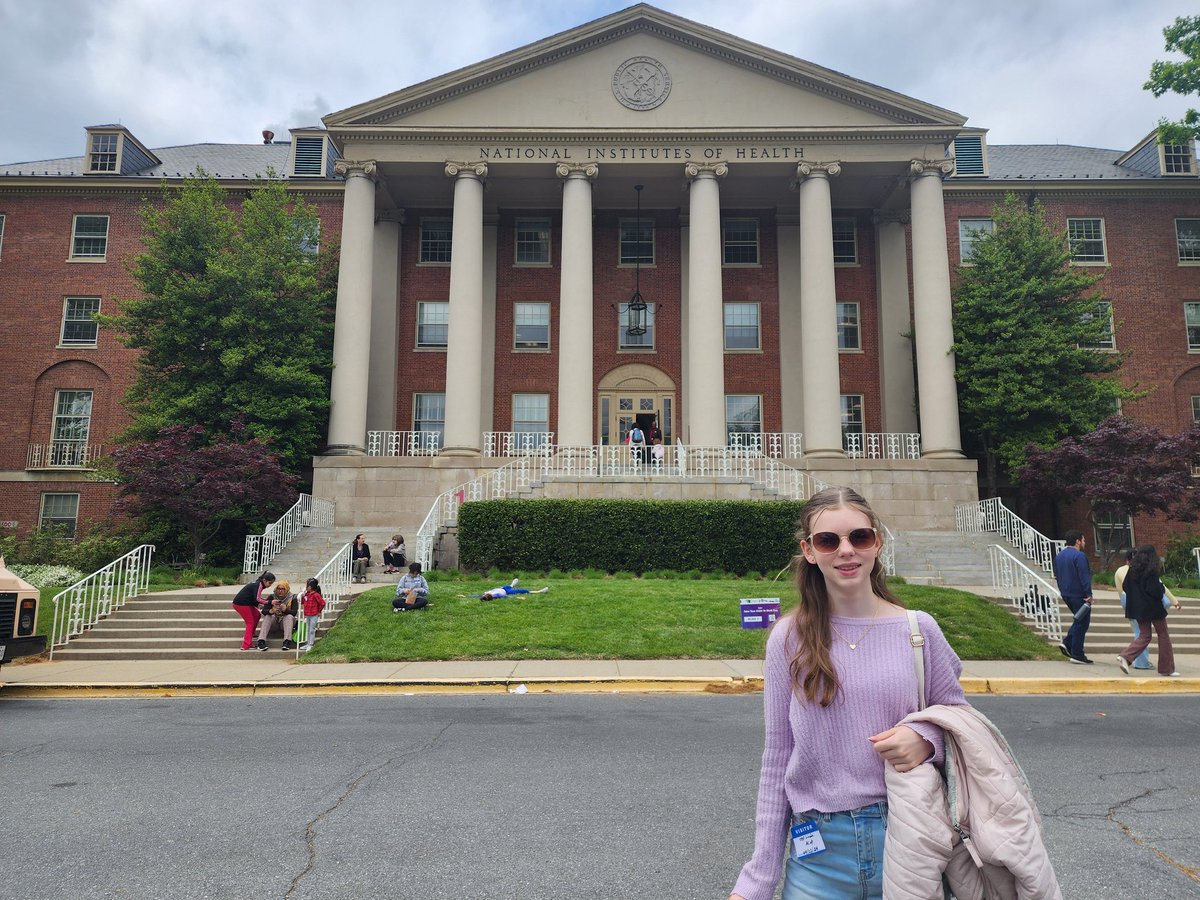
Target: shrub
{"x":1180,"y":563}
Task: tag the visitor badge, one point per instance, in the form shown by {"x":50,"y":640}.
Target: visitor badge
{"x":806,"y":840}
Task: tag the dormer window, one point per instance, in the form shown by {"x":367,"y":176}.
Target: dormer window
{"x":312,"y":154}
{"x":102,"y":156}
{"x":1178,"y":159}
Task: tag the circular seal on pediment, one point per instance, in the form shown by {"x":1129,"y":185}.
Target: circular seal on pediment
{"x":641,"y":82}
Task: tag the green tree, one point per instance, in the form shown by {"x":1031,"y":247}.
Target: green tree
{"x":235,"y":317}
{"x":1024,"y":324}
{"x":1179,"y":77}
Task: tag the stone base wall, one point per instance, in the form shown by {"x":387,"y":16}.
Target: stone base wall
{"x":380,"y":495}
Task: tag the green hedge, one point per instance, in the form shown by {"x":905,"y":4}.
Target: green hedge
{"x":736,"y":536}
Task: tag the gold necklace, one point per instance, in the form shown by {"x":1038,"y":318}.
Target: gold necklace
{"x":854,"y":644}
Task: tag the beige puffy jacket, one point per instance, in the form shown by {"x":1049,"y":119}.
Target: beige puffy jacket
{"x":997,"y":852}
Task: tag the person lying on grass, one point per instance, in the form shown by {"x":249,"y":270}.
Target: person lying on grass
{"x":504,"y":590}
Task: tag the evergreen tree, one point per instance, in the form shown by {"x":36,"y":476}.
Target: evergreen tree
{"x":1024,"y":326}
{"x":235,"y":318}
{"x":1179,"y":77}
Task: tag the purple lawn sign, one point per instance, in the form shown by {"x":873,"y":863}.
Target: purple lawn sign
{"x":759,"y":612}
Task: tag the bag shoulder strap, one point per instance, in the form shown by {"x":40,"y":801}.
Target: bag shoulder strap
{"x":918,"y":644}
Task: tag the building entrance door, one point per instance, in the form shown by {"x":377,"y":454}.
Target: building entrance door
{"x":620,"y":410}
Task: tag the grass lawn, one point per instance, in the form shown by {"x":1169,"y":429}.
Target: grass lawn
{"x":621,"y":617}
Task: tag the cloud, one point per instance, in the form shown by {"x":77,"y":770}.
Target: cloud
{"x":190,"y":71}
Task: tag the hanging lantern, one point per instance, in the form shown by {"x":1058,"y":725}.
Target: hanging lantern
{"x":637,"y":306}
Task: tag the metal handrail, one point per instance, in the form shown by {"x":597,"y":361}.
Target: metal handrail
{"x":95,"y":597}
{"x":678,"y":461}
{"x":262,"y":548}
{"x":776,"y":444}
{"x":1035,"y":598}
{"x":993,"y":517}
{"x":404,"y":443}
{"x":334,"y":578}
{"x":882,"y":445}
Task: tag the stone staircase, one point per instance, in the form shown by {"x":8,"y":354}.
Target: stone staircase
{"x":950,"y":559}
{"x":193,"y":624}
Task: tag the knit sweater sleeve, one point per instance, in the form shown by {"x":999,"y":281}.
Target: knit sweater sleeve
{"x":759,"y":876}
{"x":942,"y":687}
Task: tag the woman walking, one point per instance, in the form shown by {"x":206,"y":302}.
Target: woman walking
{"x":838,"y":678}
{"x":1144,"y":604}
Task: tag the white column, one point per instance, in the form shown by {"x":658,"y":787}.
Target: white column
{"x":575,"y":390}
{"x":895,"y":324}
{"x":352,"y":324}
{"x":705,"y":379}
{"x":464,"y":341}
{"x":932,"y":319}
{"x":818,"y":313}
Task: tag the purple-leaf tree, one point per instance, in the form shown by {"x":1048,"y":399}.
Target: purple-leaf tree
{"x":197,"y":481}
{"x":1122,"y":468}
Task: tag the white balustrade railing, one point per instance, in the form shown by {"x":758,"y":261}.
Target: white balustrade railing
{"x":1196,"y":553}
{"x":991,"y":516}
{"x":882,"y":445}
{"x":308,"y":511}
{"x":62,"y":455}
{"x":404,"y":443}
{"x":1032,"y":595}
{"x":93,"y":598}
{"x":775,"y":444}
{"x":334,"y":578}
{"x":518,"y":443}
{"x":598,"y":461}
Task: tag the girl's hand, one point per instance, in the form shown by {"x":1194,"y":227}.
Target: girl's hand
{"x":902,"y":747}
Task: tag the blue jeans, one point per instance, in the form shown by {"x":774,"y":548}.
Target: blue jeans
{"x":1143,"y":659}
{"x":852,"y":864}
{"x":1078,"y":629}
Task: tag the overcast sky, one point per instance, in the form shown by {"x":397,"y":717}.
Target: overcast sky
{"x":192,"y":71}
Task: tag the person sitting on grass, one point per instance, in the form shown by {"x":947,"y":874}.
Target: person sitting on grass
{"x":507,"y":589}
{"x":412,"y":592}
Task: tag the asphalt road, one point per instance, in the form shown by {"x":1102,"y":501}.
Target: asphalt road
{"x":531,"y":796}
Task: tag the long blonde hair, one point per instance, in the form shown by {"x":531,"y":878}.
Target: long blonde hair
{"x":813,"y":674}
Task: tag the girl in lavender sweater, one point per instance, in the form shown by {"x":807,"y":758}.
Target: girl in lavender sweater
{"x":838,"y":676}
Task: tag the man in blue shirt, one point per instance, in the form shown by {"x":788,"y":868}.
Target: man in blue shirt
{"x":1074,"y":576}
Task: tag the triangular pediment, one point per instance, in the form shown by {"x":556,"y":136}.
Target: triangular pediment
{"x":678,"y":75}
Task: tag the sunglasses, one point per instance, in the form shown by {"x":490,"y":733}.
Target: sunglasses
{"x":829,"y":542}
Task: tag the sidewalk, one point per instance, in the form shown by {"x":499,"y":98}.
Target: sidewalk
{"x":169,"y":678}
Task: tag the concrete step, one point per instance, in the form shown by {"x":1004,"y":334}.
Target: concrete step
{"x":83,"y":653}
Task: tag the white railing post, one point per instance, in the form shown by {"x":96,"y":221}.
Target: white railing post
{"x":93,"y":598}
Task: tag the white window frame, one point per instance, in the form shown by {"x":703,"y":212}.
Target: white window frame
{"x":852,"y":224}
{"x":65,"y":427}
{"x":545,"y":249}
{"x":643,"y":343}
{"x":844,"y":325}
{"x":76,"y":239}
{"x":848,"y":404}
{"x":432,"y":314}
{"x":1191,"y":255}
{"x":1196,"y":409}
{"x":106,"y":153}
{"x":1191,"y":322}
{"x":1106,"y":522}
{"x":740,"y":243}
{"x":630,"y":261}
{"x":1072,"y":241}
{"x":432,"y":423}
{"x":530,"y":413}
{"x":423,"y":246}
{"x":970,"y":230}
{"x":68,"y":319}
{"x":1106,"y":309}
{"x":1173,"y":153}
{"x":522,"y":310}
{"x":1,"y":234}
{"x":736,"y":307}
{"x":71,"y":521}
{"x":732,"y":423}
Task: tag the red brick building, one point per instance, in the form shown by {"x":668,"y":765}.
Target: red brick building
{"x":792,"y":232}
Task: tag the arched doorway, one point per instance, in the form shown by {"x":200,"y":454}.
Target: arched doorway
{"x":635,"y":393}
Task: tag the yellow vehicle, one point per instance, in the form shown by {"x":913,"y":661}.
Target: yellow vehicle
{"x":18,"y":617}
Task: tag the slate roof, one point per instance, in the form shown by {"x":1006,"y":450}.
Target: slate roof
{"x":218,"y":160}
{"x":1055,"y":162}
